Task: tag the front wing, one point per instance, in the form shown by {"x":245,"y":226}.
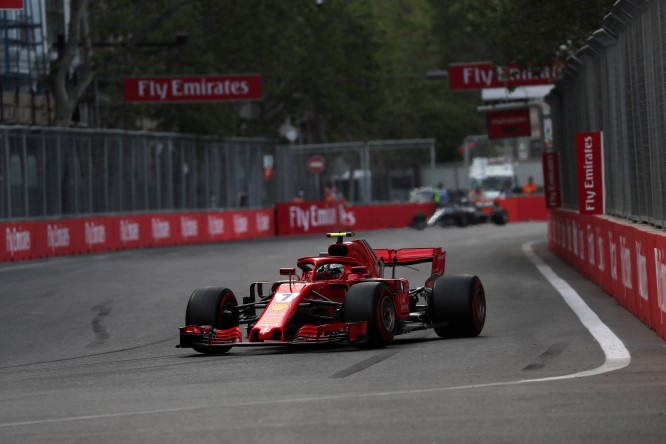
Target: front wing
{"x":211,"y":337}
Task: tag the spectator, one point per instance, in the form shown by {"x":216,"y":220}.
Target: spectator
{"x":440,"y":195}
{"x":530,"y":187}
{"x":339,"y":197}
{"x":300,"y":197}
{"x":330,"y":193}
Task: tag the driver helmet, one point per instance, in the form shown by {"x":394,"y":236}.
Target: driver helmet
{"x":330,"y":271}
{"x":336,"y":270}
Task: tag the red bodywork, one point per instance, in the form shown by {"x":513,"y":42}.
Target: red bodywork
{"x":310,"y":296}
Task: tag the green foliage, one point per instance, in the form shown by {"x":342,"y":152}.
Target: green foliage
{"x":348,"y":70}
{"x":526,"y":31}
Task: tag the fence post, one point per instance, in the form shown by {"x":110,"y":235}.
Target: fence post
{"x":7,"y":187}
{"x":90,"y":177}
{"x":121,"y":198}
{"x":365,"y":167}
{"x":146,"y":193}
{"x":44,"y":191}
{"x":24,"y":161}
{"x":105,"y":153}
{"x":59,"y":171}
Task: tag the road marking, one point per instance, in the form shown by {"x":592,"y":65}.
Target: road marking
{"x":617,"y":357}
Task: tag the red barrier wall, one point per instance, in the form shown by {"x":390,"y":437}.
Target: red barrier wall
{"x":627,"y":261}
{"x":48,"y":238}
{"x":525,"y":208}
{"x":323,"y":217}
{"x":38,"y":239}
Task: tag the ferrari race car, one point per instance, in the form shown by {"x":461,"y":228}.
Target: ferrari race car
{"x":339,"y":296}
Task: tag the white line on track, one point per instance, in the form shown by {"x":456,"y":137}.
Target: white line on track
{"x":617,"y":357}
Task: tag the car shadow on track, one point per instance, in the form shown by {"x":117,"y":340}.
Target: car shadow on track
{"x":269,"y":350}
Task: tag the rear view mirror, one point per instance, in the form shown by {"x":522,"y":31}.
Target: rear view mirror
{"x":287,"y":271}
{"x":359,"y":269}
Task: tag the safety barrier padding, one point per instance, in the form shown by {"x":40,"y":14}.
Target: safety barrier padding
{"x":628,"y":261}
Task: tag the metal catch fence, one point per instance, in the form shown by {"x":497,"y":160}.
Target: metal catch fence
{"x":617,"y":84}
{"x":52,"y":172}
{"x":360,"y":172}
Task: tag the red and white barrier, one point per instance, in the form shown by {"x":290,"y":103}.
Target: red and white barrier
{"x":321,"y":217}
{"x":39,"y":239}
{"x":626,"y":261}
{"x":63,"y":237}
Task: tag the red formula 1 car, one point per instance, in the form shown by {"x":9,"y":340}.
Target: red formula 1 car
{"x":338,"y":296}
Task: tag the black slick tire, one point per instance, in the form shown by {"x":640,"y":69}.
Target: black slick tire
{"x":500,"y":217}
{"x":372,"y":302}
{"x":460,"y":302}
{"x":212,"y":306}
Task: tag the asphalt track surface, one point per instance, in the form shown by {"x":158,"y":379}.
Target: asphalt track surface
{"x":87,"y":355}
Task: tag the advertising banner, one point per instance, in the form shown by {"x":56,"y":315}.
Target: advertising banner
{"x":323,"y":217}
{"x":312,"y":217}
{"x":21,"y":241}
{"x":38,"y":239}
{"x":192,"y":88}
{"x":509,"y":123}
{"x":580,"y":245}
{"x":589,"y":223}
{"x":59,"y":238}
{"x":10,"y":4}
{"x":481,"y":75}
{"x":601,"y":229}
{"x":589,"y":156}
{"x":162,"y":231}
{"x":628,"y":262}
{"x":132,"y":232}
{"x":551,"y":177}
{"x":627,"y":257}
{"x":614,"y":263}
{"x":658,"y":284}
{"x":217,"y":227}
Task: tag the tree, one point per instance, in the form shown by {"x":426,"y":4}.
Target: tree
{"x":67,"y":94}
{"x":119,"y":25}
{"x":525,"y":31}
{"x":349,"y":70}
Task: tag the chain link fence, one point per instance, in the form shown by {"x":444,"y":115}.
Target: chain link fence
{"x":616,"y":84}
{"x":51,"y":172}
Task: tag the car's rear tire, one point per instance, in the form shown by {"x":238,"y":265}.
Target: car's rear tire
{"x":460,"y":302}
{"x":372,"y":302}
{"x":419,"y":221}
{"x":463,"y":220}
{"x":500,"y":217}
{"x":215,"y":307}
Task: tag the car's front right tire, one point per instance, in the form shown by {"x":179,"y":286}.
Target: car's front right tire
{"x":213,"y":306}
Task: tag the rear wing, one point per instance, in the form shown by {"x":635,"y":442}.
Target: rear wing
{"x":412,"y":256}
